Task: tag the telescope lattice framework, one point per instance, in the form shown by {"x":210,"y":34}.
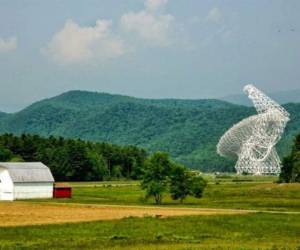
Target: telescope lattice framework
{"x":253,"y":139}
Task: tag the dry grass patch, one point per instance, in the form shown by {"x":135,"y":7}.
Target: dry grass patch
{"x":23,"y":213}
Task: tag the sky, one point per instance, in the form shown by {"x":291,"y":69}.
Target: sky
{"x":146,"y":48}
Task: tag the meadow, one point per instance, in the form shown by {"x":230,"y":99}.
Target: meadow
{"x":258,"y":193}
{"x":269,"y":218}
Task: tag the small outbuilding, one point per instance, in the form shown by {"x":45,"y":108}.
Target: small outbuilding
{"x":25,"y":180}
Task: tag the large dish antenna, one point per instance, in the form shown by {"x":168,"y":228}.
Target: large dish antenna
{"x":253,"y":139}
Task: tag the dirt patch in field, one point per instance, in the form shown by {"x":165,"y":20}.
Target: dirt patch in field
{"x":22,"y":213}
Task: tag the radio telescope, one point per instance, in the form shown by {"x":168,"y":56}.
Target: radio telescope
{"x":253,"y":139}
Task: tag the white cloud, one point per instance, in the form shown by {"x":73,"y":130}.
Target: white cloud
{"x":152,"y":27}
{"x":75,"y":44}
{"x":9,"y":44}
{"x":214,"y":15}
{"x":155,"y":4}
{"x":79,"y":44}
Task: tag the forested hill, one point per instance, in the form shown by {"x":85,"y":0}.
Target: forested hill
{"x":2,"y":114}
{"x":188,"y":129}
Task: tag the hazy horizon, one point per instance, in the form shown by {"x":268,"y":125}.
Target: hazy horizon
{"x":146,"y":48}
{"x":221,"y":98}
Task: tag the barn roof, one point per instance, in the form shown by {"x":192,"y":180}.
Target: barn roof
{"x":28,"y":171}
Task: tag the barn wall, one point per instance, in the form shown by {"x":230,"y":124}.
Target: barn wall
{"x":33,"y":190}
{"x":6,"y":186}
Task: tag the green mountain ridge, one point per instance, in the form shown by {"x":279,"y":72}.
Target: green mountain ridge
{"x":187,"y":129}
{"x":2,"y":114}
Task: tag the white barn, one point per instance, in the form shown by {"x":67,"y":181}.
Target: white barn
{"x":25,"y":180}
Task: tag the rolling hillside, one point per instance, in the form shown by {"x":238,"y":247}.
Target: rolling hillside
{"x":188,"y":129}
{"x":2,"y":114}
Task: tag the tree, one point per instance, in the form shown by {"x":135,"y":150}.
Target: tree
{"x":5,"y":154}
{"x":183,"y":183}
{"x":161,"y":175}
{"x":296,"y":168}
{"x":180,"y":183}
{"x":98,"y":165}
{"x":155,"y":177}
{"x":29,"y":147}
{"x":290,"y":171}
{"x":198,"y":185}
{"x":286,"y":170}
{"x":116,"y":172}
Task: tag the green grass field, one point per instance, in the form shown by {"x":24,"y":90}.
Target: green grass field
{"x":261,"y":230}
{"x":239,"y":193}
{"x":255,"y":231}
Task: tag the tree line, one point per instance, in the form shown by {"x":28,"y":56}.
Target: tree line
{"x":78,"y":160}
{"x":75,"y":159}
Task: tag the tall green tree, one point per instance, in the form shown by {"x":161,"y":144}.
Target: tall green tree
{"x":290,"y":171}
{"x":198,"y":185}
{"x":5,"y":154}
{"x":155,"y":177}
{"x":183,"y":182}
{"x":162,"y":175}
{"x":287,"y":169}
{"x":99,"y":168}
{"x":295,"y":177}
{"x":180,"y":183}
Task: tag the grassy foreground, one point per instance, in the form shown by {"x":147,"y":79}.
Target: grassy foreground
{"x":252,"y":231}
{"x":261,"y":230}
